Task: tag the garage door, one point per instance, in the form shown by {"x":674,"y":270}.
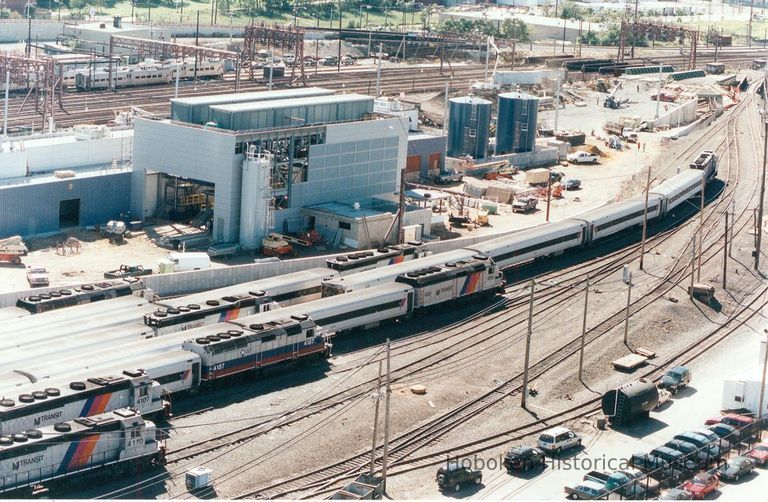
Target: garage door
{"x":413,"y":163}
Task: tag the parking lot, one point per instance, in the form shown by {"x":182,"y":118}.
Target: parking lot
{"x":608,"y":450}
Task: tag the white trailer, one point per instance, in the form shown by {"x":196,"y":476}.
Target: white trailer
{"x":743,"y":392}
{"x":184,"y":262}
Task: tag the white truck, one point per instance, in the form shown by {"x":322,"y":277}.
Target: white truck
{"x":183,"y":262}
{"x":581,"y":157}
{"x":12,"y":249}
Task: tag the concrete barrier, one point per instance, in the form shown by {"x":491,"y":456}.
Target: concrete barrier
{"x":202,"y":280}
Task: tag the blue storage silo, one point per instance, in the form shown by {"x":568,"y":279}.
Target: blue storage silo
{"x":516,"y":124}
{"x":469,"y":123}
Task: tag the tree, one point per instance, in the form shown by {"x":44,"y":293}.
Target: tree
{"x":569,"y":10}
{"x":515,"y":28}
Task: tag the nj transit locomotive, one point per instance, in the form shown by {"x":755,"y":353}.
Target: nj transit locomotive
{"x":121,"y":439}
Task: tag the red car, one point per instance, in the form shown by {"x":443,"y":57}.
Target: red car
{"x":702,"y":485}
{"x":759,"y":453}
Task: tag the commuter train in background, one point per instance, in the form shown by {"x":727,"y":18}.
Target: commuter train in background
{"x":147,"y":73}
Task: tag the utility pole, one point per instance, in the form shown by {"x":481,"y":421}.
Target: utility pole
{"x":725,"y":250}
{"x":197,"y":42}
{"x":583,"y":330}
{"x":762,"y":387}
{"x":759,"y":221}
{"x":693,"y":264}
{"x":401,"y":208}
{"x":514,"y":43}
{"x":626,"y":314}
{"x":634,"y":31}
{"x":549,"y":191}
{"x":377,"y":397}
{"x":487,"y":57}
{"x":5,"y":104}
{"x":378,"y":72}
{"x":749,"y":28}
{"x":701,"y":227}
{"x":658,"y":91}
{"x":338,"y":61}
{"x":528,"y":345}
{"x":385,"y":459}
{"x":645,"y":218}
{"x":445,"y":107}
{"x":557,"y":102}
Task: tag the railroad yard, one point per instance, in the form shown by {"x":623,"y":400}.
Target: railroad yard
{"x":305,"y":263}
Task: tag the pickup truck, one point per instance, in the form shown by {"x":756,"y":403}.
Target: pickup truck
{"x":37,"y":277}
{"x":127,"y":271}
{"x":622,"y":483}
{"x":581,"y":157}
{"x":524,"y":204}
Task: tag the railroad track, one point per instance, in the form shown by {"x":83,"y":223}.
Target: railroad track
{"x":401,"y":447}
{"x":240,"y":440}
{"x":98,"y":107}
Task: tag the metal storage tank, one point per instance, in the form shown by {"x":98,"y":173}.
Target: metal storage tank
{"x":516,"y":124}
{"x":255,"y":199}
{"x":630,"y":402}
{"x":469,"y":123}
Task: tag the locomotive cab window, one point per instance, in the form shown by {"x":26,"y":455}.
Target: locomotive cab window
{"x":310,"y":333}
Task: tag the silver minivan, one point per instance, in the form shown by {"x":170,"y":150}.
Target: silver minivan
{"x":558,"y":439}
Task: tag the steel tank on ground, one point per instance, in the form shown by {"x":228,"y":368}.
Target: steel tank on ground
{"x":516,"y":123}
{"x":255,"y":199}
{"x":469,"y":122}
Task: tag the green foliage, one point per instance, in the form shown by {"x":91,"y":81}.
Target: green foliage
{"x":569,"y":10}
{"x":515,"y":28}
{"x":589,"y":38}
{"x":511,"y":28}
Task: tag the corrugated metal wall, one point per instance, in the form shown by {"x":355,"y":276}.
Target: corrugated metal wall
{"x":34,"y":208}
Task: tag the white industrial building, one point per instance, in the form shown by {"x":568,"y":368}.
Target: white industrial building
{"x":255,"y":164}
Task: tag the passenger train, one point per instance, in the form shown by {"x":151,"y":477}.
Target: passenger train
{"x":119,"y":439}
{"x":151,"y":73}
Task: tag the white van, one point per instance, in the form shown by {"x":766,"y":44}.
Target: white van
{"x":183,"y":262}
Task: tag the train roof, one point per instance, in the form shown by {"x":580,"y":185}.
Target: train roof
{"x":611,"y":210}
{"x":485,"y":246}
{"x":52,"y":434}
{"x":683,"y":179}
{"x":432,"y":275}
{"x":272,"y":286}
{"x":316,"y":308}
{"x":36,"y":394}
{"x":381,"y":273}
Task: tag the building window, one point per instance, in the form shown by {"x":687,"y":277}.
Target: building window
{"x":344,"y":225}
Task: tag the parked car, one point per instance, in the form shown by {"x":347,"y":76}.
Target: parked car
{"x":557,"y":439}
{"x":676,"y":458}
{"x":572,"y":184}
{"x":676,"y":379}
{"x":728,"y":433}
{"x":691,"y":452}
{"x":676,"y":494}
{"x":735,"y":468}
{"x":523,"y":458}
{"x":524,"y":204}
{"x":455,"y":475}
{"x":586,"y":490}
{"x":747,"y":425}
{"x":759,"y":454}
{"x":702,"y":442}
{"x":722,"y":444}
{"x":581,"y":157}
{"x":127,"y":271}
{"x":37,"y":277}
{"x":702,"y":485}
{"x":556,"y":176}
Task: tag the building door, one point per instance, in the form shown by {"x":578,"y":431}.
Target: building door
{"x":413,"y":167}
{"x":434,"y":163}
{"x":69,"y":213}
